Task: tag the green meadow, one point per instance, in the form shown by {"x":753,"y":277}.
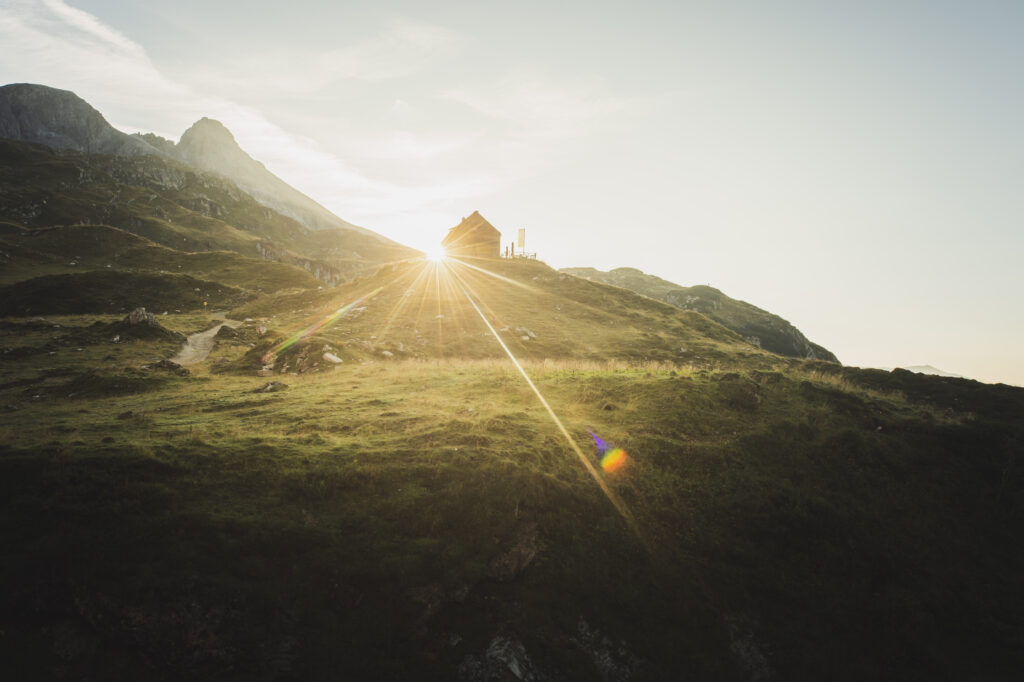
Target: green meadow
{"x":392,"y":516}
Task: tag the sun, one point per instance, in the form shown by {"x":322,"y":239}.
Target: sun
{"x":435,"y":253}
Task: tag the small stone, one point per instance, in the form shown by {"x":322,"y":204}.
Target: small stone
{"x":170,"y":366}
{"x":271,"y":387}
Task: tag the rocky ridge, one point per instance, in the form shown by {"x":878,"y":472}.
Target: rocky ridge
{"x":62,"y":120}
{"x":759,"y":327}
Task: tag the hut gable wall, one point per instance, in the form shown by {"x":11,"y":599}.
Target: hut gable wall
{"x":474,"y":237}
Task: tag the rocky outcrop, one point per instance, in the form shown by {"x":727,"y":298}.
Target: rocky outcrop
{"x":505,"y":659}
{"x":227,"y":176}
{"x":171,"y":367}
{"x":329,"y":275}
{"x":210,"y":146}
{"x":139,"y":324}
{"x":758,"y":327}
{"x":510,"y":563}
{"x":62,"y":120}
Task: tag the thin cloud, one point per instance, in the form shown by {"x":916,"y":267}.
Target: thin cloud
{"x":87,"y":23}
{"x":535,"y":108}
{"x":400,"y":50}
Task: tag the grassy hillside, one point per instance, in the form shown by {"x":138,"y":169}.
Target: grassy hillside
{"x":77,"y":248}
{"x":418,"y":515}
{"x":113,"y":292}
{"x":757,"y":326}
{"x":173,"y":205}
{"x":421,"y":310}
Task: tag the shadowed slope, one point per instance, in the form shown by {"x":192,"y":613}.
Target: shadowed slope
{"x":757,"y":326}
{"x":170,"y":204}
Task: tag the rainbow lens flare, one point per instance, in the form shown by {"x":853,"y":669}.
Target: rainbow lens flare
{"x":613,"y":460}
{"x":314,"y":328}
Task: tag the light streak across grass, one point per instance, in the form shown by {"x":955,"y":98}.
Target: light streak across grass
{"x":616,"y":501}
{"x":317,"y":326}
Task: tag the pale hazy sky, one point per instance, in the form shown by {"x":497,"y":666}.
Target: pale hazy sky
{"x":856,"y":167}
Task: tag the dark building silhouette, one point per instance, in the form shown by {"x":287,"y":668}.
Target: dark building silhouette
{"x":474,"y":237}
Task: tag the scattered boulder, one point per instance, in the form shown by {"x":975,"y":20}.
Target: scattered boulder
{"x":246,"y":333}
{"x":140,"y":316}
{"x":143,"y":325}
{"x":514,"y":560}
{"x":226,"y":332}
{"x":271,"y":387}
{"x":332,"y":358}
{"x":613,"y":660}
{"x":505,"y":659}
{"x":170,"y":366}
{"x":746,"y":650}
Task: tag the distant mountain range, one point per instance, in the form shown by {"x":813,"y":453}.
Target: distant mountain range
{"x":62,"y":120}
{"x":82,"y":201}
{"x":934,"y":371}
{"x":204,"y":193}
{"x":759,"y":327}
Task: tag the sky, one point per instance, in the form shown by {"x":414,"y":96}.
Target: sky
{"x":855,"y":167}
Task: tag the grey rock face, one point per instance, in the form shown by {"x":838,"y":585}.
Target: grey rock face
{"x":210,"y":146}
{"x":62,"y":120}
{"x":139,"y":324}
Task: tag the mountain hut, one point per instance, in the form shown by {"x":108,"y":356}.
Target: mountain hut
{"x":474,"y":237}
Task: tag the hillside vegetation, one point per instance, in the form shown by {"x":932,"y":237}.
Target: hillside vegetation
{"x":76,"y":248}
{"x":172,"y":205}
{"x":416,"y":514}
{"x":757,"y":326}
{"x":388,"y":469}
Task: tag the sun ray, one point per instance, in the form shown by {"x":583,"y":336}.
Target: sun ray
{"x":507,"y":280}
{"x":316,"y":326}
{"x":615,"y":500}
{"x":416,"y":275}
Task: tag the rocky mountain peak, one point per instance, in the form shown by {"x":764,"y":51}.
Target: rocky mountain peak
{"x":62,"y":120}
{"x":209,"y":144}
{"x":209,"y":129}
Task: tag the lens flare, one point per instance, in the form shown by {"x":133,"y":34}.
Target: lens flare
{"x":312,"y":329}
{"x":613,"y":460}
{"x":616,"y":501}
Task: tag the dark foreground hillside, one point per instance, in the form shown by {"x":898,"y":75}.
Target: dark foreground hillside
{"x":424,"y":518}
